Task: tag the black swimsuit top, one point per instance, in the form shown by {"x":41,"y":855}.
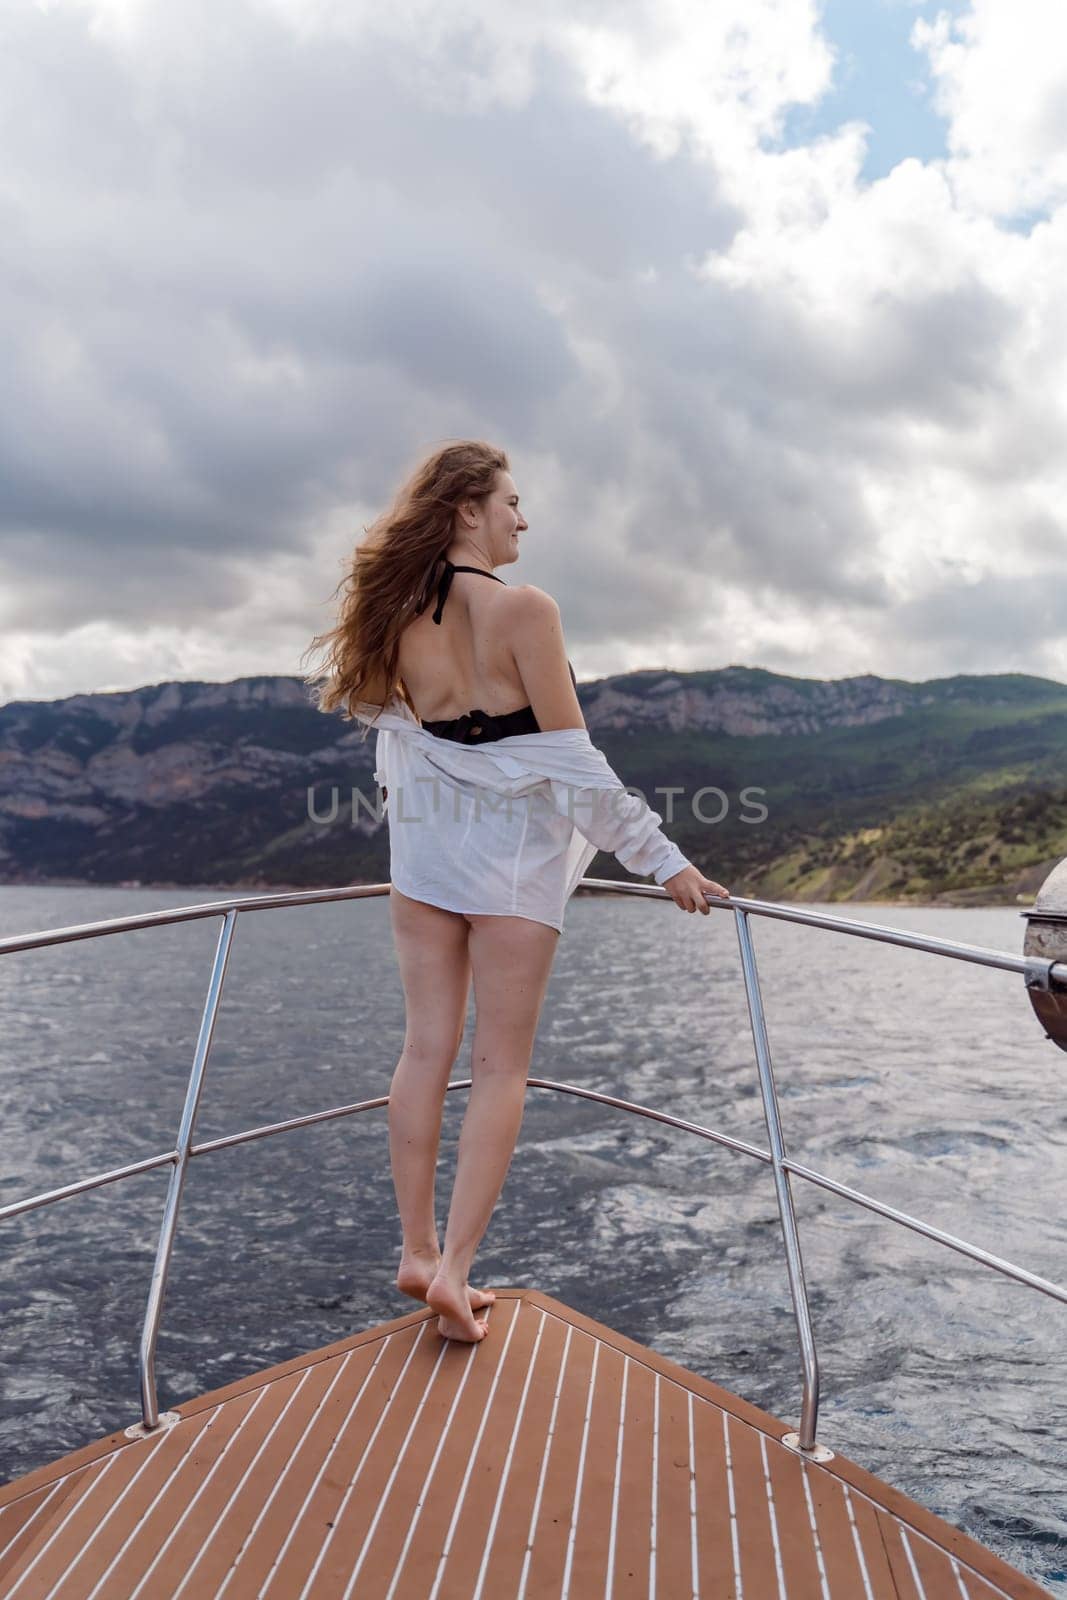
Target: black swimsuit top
{"x":478,"y":727}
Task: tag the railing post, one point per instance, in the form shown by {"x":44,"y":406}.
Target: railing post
{"x":809,"y":1412}
{"x":146,"y":1365}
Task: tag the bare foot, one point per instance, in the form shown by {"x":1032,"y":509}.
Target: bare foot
{"x":455,"y":1319}
{"x":417,"y":1272}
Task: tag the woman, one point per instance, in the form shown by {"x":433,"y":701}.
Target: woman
{"x":476,"y":701}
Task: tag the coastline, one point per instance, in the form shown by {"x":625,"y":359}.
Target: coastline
{"x":969,"y":899}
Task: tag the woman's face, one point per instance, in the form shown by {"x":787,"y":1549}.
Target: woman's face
{"x":502,"y":521}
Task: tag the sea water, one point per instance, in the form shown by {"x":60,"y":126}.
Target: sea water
{"x":925,"y":1082}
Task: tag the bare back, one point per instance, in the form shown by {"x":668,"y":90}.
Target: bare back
{"x":490,"y":651}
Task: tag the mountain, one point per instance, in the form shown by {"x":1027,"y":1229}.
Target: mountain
{"x":791,"y":788}
{"x":182,"y":783}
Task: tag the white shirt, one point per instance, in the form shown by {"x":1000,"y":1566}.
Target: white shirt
{"x":506,"y":828}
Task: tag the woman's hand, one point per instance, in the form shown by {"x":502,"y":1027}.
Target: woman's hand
{"x":687,"y":887}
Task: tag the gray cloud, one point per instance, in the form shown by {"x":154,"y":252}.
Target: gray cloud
{"x":295,"y":207}
{"x":1008,"y":618}
{"x":252,"y":273}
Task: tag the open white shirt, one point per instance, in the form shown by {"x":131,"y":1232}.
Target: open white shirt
{"x":506,"y":828}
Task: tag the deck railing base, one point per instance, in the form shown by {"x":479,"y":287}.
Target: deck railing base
{"x":138,"y":1430}
{"x":818,"y":1452}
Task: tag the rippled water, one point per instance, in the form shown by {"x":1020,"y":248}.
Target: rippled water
{"x":927,"y":1083}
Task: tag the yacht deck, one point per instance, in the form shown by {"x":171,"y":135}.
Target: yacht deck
{"x":555,"y":1458}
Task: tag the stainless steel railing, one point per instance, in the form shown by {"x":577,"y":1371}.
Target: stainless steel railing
{"x":1047,"y":973}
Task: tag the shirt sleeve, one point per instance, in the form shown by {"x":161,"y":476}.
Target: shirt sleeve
{"x":622,"y":823}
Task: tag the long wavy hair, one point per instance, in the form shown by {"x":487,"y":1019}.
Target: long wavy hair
{"x":391,"y":574}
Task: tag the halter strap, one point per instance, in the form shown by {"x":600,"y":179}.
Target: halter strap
{"x":446,"y":583}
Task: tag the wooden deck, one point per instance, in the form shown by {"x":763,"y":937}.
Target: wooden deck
{"x":555,"y":1458}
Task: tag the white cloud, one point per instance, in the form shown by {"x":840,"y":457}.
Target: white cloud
{"x":721,"y":76}
{"x":1001,"y":75}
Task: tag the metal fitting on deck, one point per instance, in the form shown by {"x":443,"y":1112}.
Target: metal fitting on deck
{"x":1045,"y":948}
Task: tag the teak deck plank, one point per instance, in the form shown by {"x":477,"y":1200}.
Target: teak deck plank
{"x":462,"y":1494}
{"x":543,"y":1573}
{"x":367,"y":1539}
{"x":122,"y":1553}
{"x":674,"y":1520}
{"x":517,"y":1492}
{"x":757,"y":1531}
{"x":554,"y":1459}
{"x":360,"y":1404}
{"x":922,"y":1569}
{"x":851,"y":1540}
{"x":633,"y":1570}
{"x":596,"y":1523}
{"x":20,"y":1520}
{"x":816,"y":1546}
{"x":718,"y":1554}
{"x":176,"y":1558}
{"x":236,"y":1524}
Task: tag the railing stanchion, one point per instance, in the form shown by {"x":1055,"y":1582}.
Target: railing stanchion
{"x":809,"y":1411}
{"x":146,"y":1364}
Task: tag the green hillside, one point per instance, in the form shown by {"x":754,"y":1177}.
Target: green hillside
{"x":858,"y":788}
{"x":964,"y":796}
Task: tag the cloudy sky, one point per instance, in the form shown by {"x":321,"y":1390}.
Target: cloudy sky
{"x":759,"y":295}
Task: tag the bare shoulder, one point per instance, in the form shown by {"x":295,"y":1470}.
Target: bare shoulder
{"x":533,"y":620}
{"x":527,"y":603}
{"x":530,"y":594}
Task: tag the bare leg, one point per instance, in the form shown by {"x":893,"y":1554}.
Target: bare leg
{"x":511,"y":958}
{"x":431,"y":947}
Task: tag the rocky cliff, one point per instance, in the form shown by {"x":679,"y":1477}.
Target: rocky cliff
{"x":247,"y":784}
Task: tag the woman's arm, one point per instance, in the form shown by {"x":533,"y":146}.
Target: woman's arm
{"x":540,"y":654}
{"x":623,"y":823}
{"x":603,"y":812}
